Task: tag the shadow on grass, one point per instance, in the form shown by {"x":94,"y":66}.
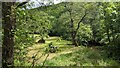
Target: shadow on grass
{"x":99,"y":56}
{"x":112,"y":52}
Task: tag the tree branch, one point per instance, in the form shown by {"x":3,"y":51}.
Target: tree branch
{"x":80,"y":21}
{"x":23,"y":3}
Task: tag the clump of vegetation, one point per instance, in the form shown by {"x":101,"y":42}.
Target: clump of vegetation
{"x":51,"y":48}
{"x":41,"y":40}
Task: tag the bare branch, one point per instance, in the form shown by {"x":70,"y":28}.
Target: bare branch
{"x":23,"y":3}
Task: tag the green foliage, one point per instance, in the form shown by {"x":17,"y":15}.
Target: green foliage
{"x":22,"y":39}
{"x":110,"y":21}
{"x":40,"y":22}
{"x":29,"y":22}
{"x":84,"y":33}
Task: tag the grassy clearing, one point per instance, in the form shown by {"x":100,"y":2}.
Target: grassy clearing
{"x":68,"y":55}
{"x":39,"y":49}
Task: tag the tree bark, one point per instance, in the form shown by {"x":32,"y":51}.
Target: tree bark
{"x":8,"y":38}
{"x":73,"y":33}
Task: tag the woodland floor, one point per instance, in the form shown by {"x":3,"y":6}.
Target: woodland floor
{"x":68,"y":55}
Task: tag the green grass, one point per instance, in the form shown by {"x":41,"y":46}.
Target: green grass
{"x":39,"y":48}
{"x":68,"y":55}
{"x":83,"y":57}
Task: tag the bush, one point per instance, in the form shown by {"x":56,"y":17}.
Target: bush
{"x":51,"y":48}
{"x":84,"y":33}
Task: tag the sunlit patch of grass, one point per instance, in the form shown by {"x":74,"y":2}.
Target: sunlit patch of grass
{"x":63,"y":48}
{"x":62,"y":44}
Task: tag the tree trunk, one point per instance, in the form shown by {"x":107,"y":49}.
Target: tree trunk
{"x":73,"y":32}
{"x":8,"y":38}
{"x":74,"y":41}
{"x":108,"y":35}
{"x":107,"y":25}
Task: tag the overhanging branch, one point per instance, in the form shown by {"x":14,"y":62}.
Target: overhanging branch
{"x":23,"y":3}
